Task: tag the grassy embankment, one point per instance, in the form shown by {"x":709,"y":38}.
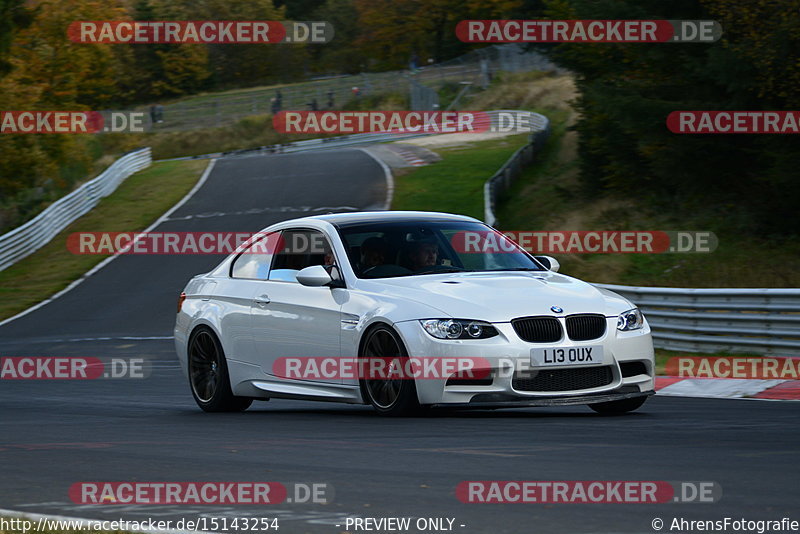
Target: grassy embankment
{"x":548,"y":196}
{"x":137,"y":203}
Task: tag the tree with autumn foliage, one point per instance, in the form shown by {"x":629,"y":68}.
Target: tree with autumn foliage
{"x":392,"y":30}
{"x":46,"y":71}
{"x":627,"y":91}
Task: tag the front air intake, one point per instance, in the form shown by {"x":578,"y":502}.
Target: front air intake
{"x":563,"y":379}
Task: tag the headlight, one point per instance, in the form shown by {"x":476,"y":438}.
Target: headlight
{"x":630,"y":320}
{"x":458,"y":329}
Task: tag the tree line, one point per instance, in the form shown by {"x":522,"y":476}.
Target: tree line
{"x":40,"y":69}
{"x":745,"y":182}
{"x":626,"y":90}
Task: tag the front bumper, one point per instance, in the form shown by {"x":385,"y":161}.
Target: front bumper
{"x":507,"y":355}
{"x":494,"y":400}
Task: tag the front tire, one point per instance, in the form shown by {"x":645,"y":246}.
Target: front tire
{"x":208,"y":374}
{"x":396,"y":397}
{"x":618,"y":407}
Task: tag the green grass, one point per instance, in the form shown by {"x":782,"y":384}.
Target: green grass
{"x":541,"y":185}
{"x":547,"y":196}
{"x":137,"y":203}
{"x":455,"y":184}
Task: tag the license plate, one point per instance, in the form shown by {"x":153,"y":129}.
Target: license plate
{"x":592,"y":355}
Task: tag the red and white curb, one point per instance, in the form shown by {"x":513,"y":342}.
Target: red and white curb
{"x":409,"y":156}
{"x":728,"y":388}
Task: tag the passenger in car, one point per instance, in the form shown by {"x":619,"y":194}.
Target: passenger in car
{"x":373,"y":253}
{"x":329,"y":258}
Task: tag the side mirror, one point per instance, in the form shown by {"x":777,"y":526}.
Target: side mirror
{"x":548,"y":261}
{"x":314,"y":276}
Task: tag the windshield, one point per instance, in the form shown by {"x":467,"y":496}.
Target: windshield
{"x":392,"y":249}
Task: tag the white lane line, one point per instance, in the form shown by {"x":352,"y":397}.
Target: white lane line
{"x":108,"y":260}
{"x":389,"y":179}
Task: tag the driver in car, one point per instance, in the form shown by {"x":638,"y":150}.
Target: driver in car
{"x":373,"y":253}
{"x":424,"y":254}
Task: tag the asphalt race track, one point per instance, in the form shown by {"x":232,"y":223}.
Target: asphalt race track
{"x":57,"y":433}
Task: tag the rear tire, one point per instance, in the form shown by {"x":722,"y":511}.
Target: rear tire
{"x":208,"y":374}
{"x":397,"y":398}
{"x":618,"y":407}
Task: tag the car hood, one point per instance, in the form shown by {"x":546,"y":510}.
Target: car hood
{"x":500,"y":297}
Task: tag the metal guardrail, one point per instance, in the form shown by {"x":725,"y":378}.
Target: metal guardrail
{"x":537,"y":121}
{"x":476,"y":67}
{"x":34,"y":234}
{"x":510,"y":171}
{"x":757,"y":321}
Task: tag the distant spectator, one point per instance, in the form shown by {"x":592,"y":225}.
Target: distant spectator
{"x":313,"y":105}
{"x":157,"y":113}
{"x":413,"y":63}
{"x":356,"y":91}
{"x":330,"y":98}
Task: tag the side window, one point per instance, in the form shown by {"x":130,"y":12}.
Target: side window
{"x":300,"y":249}
{"x":253,"y":262}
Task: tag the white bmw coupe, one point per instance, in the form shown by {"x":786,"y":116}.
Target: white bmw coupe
{"x":294,"y":313}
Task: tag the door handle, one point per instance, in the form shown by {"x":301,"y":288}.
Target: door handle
{"x":262,"y":300}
